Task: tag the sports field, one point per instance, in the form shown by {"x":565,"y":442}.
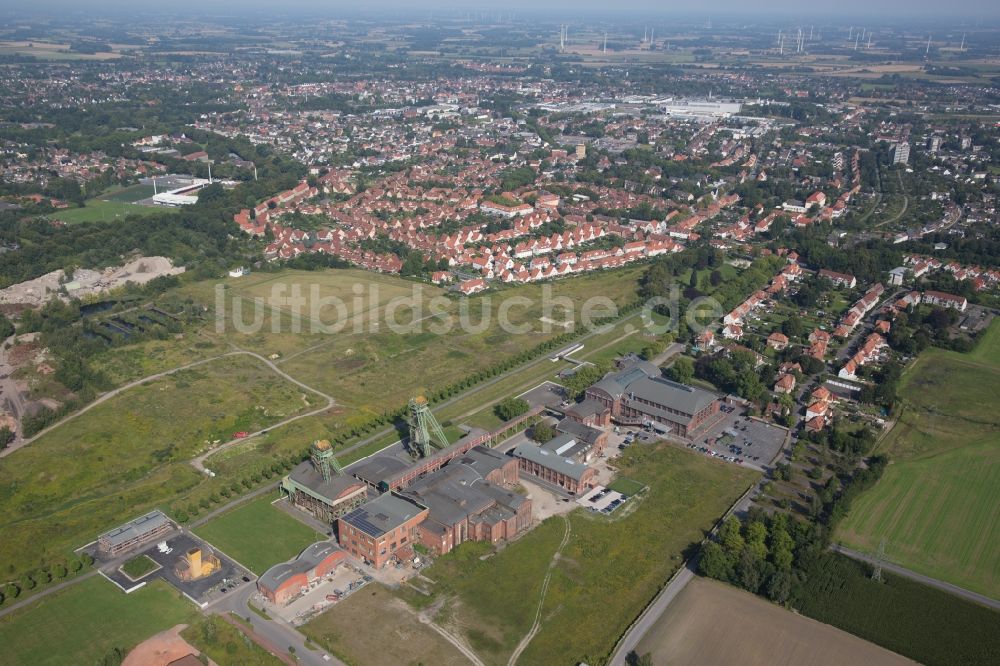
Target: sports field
{"x":131,"y":452}
{"x":712,"y":623}
{"x":605,"y":574}
{"x":83,"y":623}
{"x":99,"y":210}
{"x":258,"y":535}
{"x":936,"y":504}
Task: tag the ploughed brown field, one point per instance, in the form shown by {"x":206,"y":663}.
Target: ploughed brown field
{"x":713,"y":623}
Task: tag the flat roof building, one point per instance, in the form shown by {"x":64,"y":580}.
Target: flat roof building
{"x":134,"y":533}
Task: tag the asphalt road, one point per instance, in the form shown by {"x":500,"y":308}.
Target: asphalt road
{"x":280,"y":635}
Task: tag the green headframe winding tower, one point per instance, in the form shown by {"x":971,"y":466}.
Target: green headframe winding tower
{"x":425,"y":431}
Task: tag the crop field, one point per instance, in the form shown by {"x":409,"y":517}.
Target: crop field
{"x":258,"y":535}
{"x":928,"y":625}
{"x":371,"y":628}
{"x":127,"y":454}
{"x":81,"y":624}
{"x":607,"y":572}
{"x":936,"y":504}
{"x":713,"y":623}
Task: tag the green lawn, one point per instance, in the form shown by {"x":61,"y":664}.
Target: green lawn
{"x":138,"y":566}
{"x":606,"y":574}
{"x":81,"y":624}
{"x":936,"y":504}
{"x":129,"y":454}
{"x":626,"y":486}
{"x":97,"y":210}
{"x":258,"y":535}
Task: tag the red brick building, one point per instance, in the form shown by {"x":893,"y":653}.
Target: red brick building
{"x":637,"y":394}
{"x":573,"y":477}
{"x":283,"y":582}
{"x":377,"y":530}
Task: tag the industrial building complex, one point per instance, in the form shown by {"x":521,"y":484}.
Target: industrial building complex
{"x":638,"y":395}
{"x":447,"y":494}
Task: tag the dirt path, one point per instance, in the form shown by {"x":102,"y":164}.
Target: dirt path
{"x":541,"y":598}
{"x":197,"y":462}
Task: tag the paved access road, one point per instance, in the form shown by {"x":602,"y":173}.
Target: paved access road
{"x":280,"y":635}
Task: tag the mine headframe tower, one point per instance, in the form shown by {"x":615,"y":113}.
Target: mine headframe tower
{"x":425,"y":431}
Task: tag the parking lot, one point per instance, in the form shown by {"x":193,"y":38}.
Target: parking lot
{"x":601,"y":499}
{"x":740,"y":439}
{"x":547,"y":394}
{"x":228,"y":577}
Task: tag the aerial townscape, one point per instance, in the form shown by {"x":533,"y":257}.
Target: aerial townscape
{"x":537,"y":334}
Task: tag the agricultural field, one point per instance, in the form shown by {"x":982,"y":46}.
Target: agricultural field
{"x":127,"y":454}
{"x":713,"y":623}
{"x":923,"y":623}
{"x":606,"y":572}
{"x":258,"y":535}
{"x":83,"y":623}
{"x":936,"y":504}
{"x":371,"y":628}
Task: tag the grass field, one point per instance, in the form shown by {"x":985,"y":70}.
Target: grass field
{"x":936,"y":504}
{"x":98,"y":210}
{"x":138,"y":566}
{"x":129,"y":453}
{"x":81,"y":624}
{"x":713,"y":623}
{"x":226,"y":645}
{"x":258,"y":535}
{"x":607,"y":572}
{"x":372,"y":628}
{"x":626,"y":486}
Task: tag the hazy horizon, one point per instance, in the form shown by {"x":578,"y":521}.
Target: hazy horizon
{"x":733,"y":10}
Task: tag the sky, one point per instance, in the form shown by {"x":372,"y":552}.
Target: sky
{"x":843,"y":9}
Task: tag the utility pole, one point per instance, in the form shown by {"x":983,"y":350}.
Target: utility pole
{"x":879,"y":560}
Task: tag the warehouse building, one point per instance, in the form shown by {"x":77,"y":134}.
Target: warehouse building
{"x":571,"y":476}
{"x":638,"y":395}
{"x":134,"y":533}
{"x":283,"y":582}
{"x":464,"y":505}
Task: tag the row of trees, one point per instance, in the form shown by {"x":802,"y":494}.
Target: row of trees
{"x":30,"y":580}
